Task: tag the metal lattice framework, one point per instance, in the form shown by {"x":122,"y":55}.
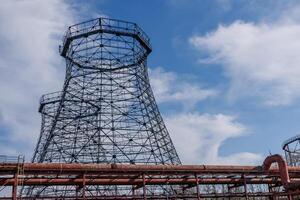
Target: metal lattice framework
{"x":291,"y":149}
{"x":106,"y":112}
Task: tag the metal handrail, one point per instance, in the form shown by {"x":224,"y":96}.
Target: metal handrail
{"x":54,"y":96}
{"x":12,"y":159}
{"x":290,"y":140}
{"x":108,"y":25}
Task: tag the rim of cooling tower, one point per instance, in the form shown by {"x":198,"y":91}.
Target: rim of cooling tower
{"x":104,"y":25}
{"x":289,"y":141}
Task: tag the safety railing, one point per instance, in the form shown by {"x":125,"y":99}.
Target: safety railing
{"x":290,"y":140}
{"x":51,"y":97}
{"x":105,"y":24}
{"x":12,"y":159}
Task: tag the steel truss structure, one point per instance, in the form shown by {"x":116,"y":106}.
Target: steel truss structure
{"x":106,"y":112}
{"x":291,"y":148}
{"x":195,"y":181}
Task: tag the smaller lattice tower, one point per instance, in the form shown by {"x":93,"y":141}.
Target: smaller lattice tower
{"x":291,"y":149}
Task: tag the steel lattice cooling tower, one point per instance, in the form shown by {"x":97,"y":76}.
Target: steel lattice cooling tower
{"x":106,"y":112}
{"x":291,"y":149}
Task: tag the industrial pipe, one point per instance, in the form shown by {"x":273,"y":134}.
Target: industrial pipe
{"x":128,"y":181}
{"x":64,"y":168}
{"x":283,"y":170}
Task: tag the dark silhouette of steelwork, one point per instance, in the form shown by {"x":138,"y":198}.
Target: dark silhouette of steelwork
{"x":106,"y":112}
{"x":291,"y":149}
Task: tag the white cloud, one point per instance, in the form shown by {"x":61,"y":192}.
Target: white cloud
{"x":169,"y":87}
{"x":260,"y":59}
{"x":30,"y":32}
{"x":198,"y":138}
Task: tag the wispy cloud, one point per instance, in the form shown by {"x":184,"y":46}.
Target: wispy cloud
{"x":260,"y":59}
{"x":169,"y":87}
{"x":197,"y":137}
{"x":30,"y":32}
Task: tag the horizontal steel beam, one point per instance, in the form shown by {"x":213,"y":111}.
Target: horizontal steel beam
{"x":125,"y":181}
{"x":75,"y":174}
{"x":179,"y":196}
{"x":32,"y":168}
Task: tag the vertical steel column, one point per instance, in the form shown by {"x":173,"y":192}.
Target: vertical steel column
{"x":77,"y":191}
{"x":183,"y":190}
{"x":229,"y":191}
{"x":83,"y":187}
{"x":133,"y":192}
{"x":197,"y":185}
{"x":245,"y":187}
{"x":271,"y":197}
{"x":15,"y":187}
{"x":144,"y":187}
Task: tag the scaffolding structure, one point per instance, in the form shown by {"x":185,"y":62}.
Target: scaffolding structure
{"x":236,"y":182}
{"x":106,"y":112}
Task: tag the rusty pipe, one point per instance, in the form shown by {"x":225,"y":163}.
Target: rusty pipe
{"x":128,"y":181}
{"x":126,"y":168}
{"x":283,"y":168}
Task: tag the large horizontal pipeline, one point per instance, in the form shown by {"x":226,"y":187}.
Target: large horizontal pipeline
{"x":138,"y":181}
{"x":62,"y":168}
{"x":178,"y":196}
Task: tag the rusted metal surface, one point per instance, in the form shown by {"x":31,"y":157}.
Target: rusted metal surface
{"x":48,"y":168}
{"x":284,"y":173}
{"x":138,"y":181}
{"x":283,"y":170}
{"x":186,"y":196}
{"x":142,"y":176}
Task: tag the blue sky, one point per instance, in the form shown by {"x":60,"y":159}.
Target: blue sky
{"x":224,"y":73}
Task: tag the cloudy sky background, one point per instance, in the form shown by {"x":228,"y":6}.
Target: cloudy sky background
{"x":225,"y":73}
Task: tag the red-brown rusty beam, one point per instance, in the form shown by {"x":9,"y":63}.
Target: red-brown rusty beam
{"x":148,"y":181}
{"x":137,"y":176}
{"x":40,"y":168}
{"x":14,"y":187}
{"x":179,"y":196}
